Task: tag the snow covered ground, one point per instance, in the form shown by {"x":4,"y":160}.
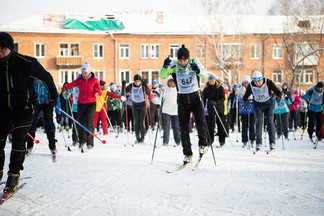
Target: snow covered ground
{"x":115,"y":180}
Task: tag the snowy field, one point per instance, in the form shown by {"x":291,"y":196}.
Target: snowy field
{"x":112,"y":179}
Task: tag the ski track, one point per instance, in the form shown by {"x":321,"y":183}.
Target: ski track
{"x":114,"y":180}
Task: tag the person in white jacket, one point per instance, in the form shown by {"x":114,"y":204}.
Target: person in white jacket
{"x":170,"y":113}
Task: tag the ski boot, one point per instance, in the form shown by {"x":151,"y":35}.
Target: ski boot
{"x":11,"y":185}
{"x":244,"y":144}
{"x":272,"y":146}
{"x":202,"y":150}
{"x":187,"y":159}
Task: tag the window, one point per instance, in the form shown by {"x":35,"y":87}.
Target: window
{"x":299,"y":76}
{"x":200,"y":51}
{"x":125,"y":75}
{"x":277,"y":51}
{"x":173,"y":50}
{"x":255,"y":51}
{"x":100,"y":74}
{"x":64,"y":50}
{"x":233,"y":51}
{"x":144,"y":51}
{"x":145,"y":75}
{"x":98,"y":51}
{"x":67,"y":76}
{"x":40,"y":50}
{"x":124,"y":51}
{"x":74,"y":49}
{"x":309,"y":78}
{"x":155,"y":76}
{"x":155,"y":51}
{"x":150,"y":75}
{"x":277,"y":76}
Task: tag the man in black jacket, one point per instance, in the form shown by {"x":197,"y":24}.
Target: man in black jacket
{"x":17,"y":101}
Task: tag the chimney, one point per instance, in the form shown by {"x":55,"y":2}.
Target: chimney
{"x":160,"y":17}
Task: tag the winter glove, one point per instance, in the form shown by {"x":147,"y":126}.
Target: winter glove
{"x":278,"y":99}
{"x":58,"y":119}
{"x":167,"y":62}
{"x":212,"y":103}
{"x":65,"y":86}
{"x":52,"y":102}
{"x":123,"y":98}
{"x":195,"y":67}
{"x":247,"y":103}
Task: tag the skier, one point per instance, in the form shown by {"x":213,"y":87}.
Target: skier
{"x":170,"y":114}
{"x":47,"y":108}
{"x":155,"y":104}
{"x":214,"y":94}
{"x":233,"y":99}
{"x":139,"y":89}
{"x":281,"y":111}
{"x":17,"y":101}
{"x":246,"y":112}
{"x":187,"y":72}
{"x":101,"y":108}
{"x":261,"y":89}
{"x":293,"y":109}
{"x":303,"y":111}
{"x":114,"y":108}
{"x":315,"y":96}
{"x":88,"y":87}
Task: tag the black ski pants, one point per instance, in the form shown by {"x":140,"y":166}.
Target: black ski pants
{"x":86,"y":114}
{"x":19,"y":121}
{"x":139,"y":114}
{"x":188,"y":103}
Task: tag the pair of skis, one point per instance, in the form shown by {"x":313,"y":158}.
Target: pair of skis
{"x":268,"y":151}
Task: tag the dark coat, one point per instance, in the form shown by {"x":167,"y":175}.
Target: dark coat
{"x":215,"y":95}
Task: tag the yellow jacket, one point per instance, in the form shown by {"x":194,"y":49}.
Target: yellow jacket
{"x":103,"y":98}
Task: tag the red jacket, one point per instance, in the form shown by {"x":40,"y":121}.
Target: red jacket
{"x":87,"y":88}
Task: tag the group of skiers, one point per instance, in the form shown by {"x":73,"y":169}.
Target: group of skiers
{"x":27,"y":89}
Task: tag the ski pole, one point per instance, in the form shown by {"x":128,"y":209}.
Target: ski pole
{"x":211,"y":144}
{"x":66,"y":146}
{"x":126,"y":117}
{"x":36,"y":141}
{"x":249,"y":141}
{"x":223,"y":126}
{"x":75,"y":128}
{"x":237,"y":117}
{"x":283,"y":143}
{"x":148,"y":121}
{"x":103,"y":141}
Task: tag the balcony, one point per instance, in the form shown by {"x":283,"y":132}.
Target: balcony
{"x":69,"y":61}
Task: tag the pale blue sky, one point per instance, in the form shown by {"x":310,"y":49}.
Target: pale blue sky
{"x":16,"y":9}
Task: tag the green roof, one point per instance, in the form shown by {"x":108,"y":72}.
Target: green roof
{"x":102,"y":25}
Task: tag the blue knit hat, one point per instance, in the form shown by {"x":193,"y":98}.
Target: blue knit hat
{"x":212,"y":77}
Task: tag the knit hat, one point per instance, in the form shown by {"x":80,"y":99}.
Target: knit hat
{"x":235,"y":86}
{"x":160,"y":85}
{"x":137,"y":77}
{"x":86,"y":67}
{"x":246,"y":79}
{"x":183,"y":53}
{"x":320,"y":85}
{"x":257,"y":76}
{"x":6,"y":40}
{"x":212,"y":77}
{"x":285,"y":84}
{"x":113,"y":87}
{"x":102,"y":82}
{"x":154,"y":82}
{"x":293,"y":90}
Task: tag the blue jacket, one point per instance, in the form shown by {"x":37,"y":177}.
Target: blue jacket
{"x":283,"y":105}
{"x":308,"y":96}
{"x":243,"y":109}
{"x":42,"y":95}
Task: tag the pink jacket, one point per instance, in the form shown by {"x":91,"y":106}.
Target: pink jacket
{"x":87,"y":88}
{"x":295,"y":102}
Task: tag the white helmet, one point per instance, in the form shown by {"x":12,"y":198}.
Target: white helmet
{"x":257,"y":76}
{"x":246,"y":78}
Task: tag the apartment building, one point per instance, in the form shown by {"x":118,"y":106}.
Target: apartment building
{"x":146,"y":40}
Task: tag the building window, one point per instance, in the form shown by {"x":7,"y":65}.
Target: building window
{"x":100,"y":74}
{"x":233,"y":51}
{"x":64,"y":50}
{"x":150,"y":75}
{"x":277,"y":76}
{"x":277,"y":51}
{"x":309,"y":77}
{"x":144,"y":51}
{"x":75,"y":50}
{"x":98,"y":51}
{"x":155,"y":76}
{"x":67,"y":76}
{"x":124,"y":51}
{"x":39,"y":50}
{"x":255,"y":51}
{"x":200,"y":51}
{"x":125,"y":75}
{"x":155,"y":51}
{"x":173,"y":51}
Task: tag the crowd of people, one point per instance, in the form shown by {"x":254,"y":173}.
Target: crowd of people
{"x":142,"y":107}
